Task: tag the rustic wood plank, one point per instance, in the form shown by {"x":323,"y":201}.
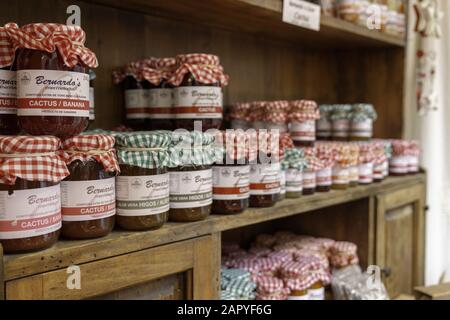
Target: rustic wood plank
{"x":65,"y":253}
{"x":2,"y":282}
{"x":110,"y":275}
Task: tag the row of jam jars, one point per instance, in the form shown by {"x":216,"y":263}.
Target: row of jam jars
{"x":52,"y":78}
{"x":231,"y":176}
{"x":198,"y":81}
{"x":31,"y":176}
{"x":9,"y":123}
{"x":142,"y":188}
{"x":302,"y":122}
{"x":265,"y":176}
{"x":192,"y":155}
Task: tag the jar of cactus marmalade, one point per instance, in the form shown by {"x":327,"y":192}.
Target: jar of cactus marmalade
{"x":142,"y":189}
{"x":192,"y":155}
{"x":30,"y":214}
{"x":88,"y":194}
{"x":198,"y":81}
{"x":52,"y":78}
{"x":8,"y":87}
{"x":231,"y":177}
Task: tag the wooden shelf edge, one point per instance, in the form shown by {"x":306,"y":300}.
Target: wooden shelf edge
{"x":259,"y":17}
{"x":66,"y":253}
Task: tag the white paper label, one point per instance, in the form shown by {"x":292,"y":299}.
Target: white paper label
{"x":353,"y":174}
{"x":362,"y":129}
{"x":365,"y":172}
{"x":265,"y":179}
{"x":341,"y":128}
{"x":142,"y":195}
{"x":340,"y":175}
{"x":137,"y":103}
{"x":190,"y":189}
{"x":316,"y":294}
{"x":399,"y":164}
{"x":294,"y":180}
{"x":282,"y":182}
{"x":91,"y":104}
{"x":161,"y":101}
{"x":323,"y":128}
{"x":52,"y":93}
{"x":378,"y":171}
{"x":88,"y":200}
{"x":413,"y":164}
{"x":231,"y":182}
{"x":30,"y":213}
{"x":323,"y":177}
{"x":309,"y":180}
{"x":197,"y":102}
{"x":303,"y":131}
{"x":301,"y":13}
{"x":8,"y":92}
{"x":304,"y":297}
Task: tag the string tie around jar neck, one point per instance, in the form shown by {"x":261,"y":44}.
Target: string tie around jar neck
{"x":27,"y":155}
{"x":89,"y":152}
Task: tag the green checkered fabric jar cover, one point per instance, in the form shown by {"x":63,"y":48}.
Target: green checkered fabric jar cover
{"x":341,"y":112}
{"x":145,"y":149}
{"x":193,"y":148}
{"x":325,"y":111}
{"x":294,"y":159}
{"x":363,"y":111}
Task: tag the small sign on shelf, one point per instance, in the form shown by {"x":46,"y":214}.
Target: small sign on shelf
{"x":302,"y":13}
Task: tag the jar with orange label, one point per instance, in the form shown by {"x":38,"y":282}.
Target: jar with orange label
{"x":9,"y":123}
{"x":197,"y":95}
{"x":88,"y":194}
{"x":302,"y":122}
{"x":52,"y":78}
{"x":30,"y":215}
{"x":231,"y":176}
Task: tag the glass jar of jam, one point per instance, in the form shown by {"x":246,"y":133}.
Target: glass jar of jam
{"x":231,"y":177}
{"x":191,"y":182}
{"x":341,"y":177}
{"x":9,"y":123}
{"x":323,"y":125}
{"x":136,"y":94}
{"x":142,"y":189}
{"x":52,"y":84}
{"x":309,"y":182}
{"x":264,"y":184}
{"x":362,"y":117}
{"x":324,"y":179}
{"x":240,"y":115}
{"x":294,"y":183}
{"x":399,"y":161}
{"x":276,"y":116}
{"x":302,"y":122}
{"x":340,"y":122}
{"x":353,"y":175}
{"x":30,"y":215}
{"x":197,"y":95}
{"x":88,"y":194}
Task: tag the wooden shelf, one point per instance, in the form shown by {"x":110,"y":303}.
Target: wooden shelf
{"x":261,"y":17}
{"x":66,"y":253}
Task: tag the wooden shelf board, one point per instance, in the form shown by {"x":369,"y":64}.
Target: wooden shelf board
{"x":65,"y":253}
{"x":260,"y":17}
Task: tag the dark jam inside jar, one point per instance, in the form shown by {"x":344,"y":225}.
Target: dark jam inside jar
{"x":141,"y":123}
{"x":87,"y":171}
{"x":323,"y":188}
{"x":304,"y":143}
{"x":188,"y":124}
{"x":9,"y":123}
{"x":144,"y":222}
{"x":61,"y":126}
{"x":160,"y":123}
{"x":190,"y":214}
{"x":29,"y":243}
{"x":232,"y":206}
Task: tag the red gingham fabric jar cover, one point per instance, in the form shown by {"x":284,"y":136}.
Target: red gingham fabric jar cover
{"x":85,"y":147}
{"x":266,"y":240}
{"x":31,"y":158}
{"x":158,"y":70}
{"x":294,"y":269}
{"x":286,"y":142}
{"x":303,"y":110}
{"x":322,"y":276}
{"x":237,"y":144}
{"x":313,"y":164}
{"x":132,"y":69}
{"x":240,"y":111}
{"x":6,"y":49}
{"x":276,"y":111}
{"x":260,"y":251}
{"x":205,"y":68}
{"x":281,"y":256}
{"x":400,"y":147}
{"x":344,"y":247}
{"x":414,"y":148}
{"x":366,"y":152}
{"x":268,"y":285}
{"x":257,"y":111}
{"x":379,"y":154}
{"x":316,"y":259}
{"x":49,"y":37}
{"x":300,"y":284}
{"x":327,"y":155}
